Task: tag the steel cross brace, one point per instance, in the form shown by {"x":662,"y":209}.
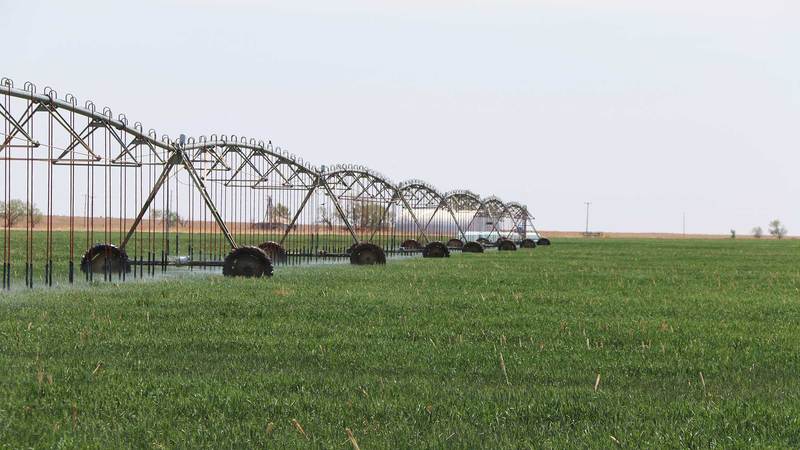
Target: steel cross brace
{"x":18,"y":127}
{"x":77,"y":138}
{"x":514,"y":226}
{"x":416,"y":220}
{"x":380,"y":222}
{"x":529,"y":220}
{"x":299,"y":210}
{"x":179,"y":156}
{"x":455,"y":220}
{"x":495,"y":220}
{"x":339,"y":209}
{"x":473,"y":217}
{"x":428,"y":223}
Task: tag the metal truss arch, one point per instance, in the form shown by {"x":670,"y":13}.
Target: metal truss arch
{"x":516,"y":210}
{"x":78,"y":125}
{"x":427,"y":208}
{"x":462,"y":198}
{"x":418,"y":193}
{"x":494,"y":206}
{"x":355,"y":182}
{"x":239,"y":162}
{"x":144,"y":200}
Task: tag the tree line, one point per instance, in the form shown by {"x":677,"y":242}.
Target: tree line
{"x":775,"y":229}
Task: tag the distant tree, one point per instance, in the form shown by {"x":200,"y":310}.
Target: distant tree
{"x":36,"y":215}
{"x":325,"y":217}
{"x":172,"y":218}
{"x":16,"y":210}
{"x":367,"y":216}
{"x":777,"y":229}
{"x":12,"y":212}
{"x":757,"y":232}
{"x":280,"y":212}
{"x":733,"y":234}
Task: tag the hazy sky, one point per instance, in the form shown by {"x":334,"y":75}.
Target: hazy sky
{"x":646,"y":108}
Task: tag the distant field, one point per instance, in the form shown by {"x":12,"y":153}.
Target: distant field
{"x":588,"y":343}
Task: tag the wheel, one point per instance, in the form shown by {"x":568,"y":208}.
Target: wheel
{"x":365,"y":254}
{"x":435,"y":250}
{"x":105,"y":258}
{"x":472,"y":247}
{"x":500,"y":239}
{"x":455,"y":243}
{"x":483,"y":240}
{"x":411,"y":244}
{"x":528,"y":243}
{"x":506,"y":245}
{"x":543,"y":241}
{"x":275,"y":251}
{"x":250,"y":262}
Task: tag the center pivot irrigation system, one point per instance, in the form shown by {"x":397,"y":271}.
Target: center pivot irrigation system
{"x":89,"y":196}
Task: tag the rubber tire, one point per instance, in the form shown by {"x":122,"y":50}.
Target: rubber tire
{"x":472,"y":247}
{"x":528,"y":243}
{"x":483,"y":241}
{"x":457,"y":244}
{"x":506,"y":245}
{"x":249,"y":262}
{"x":543,"y":241}
{"x":366,"y":254}
{"x":411,"y":244}
{"x":275,"y":251}
{"x":435,"y":250}
{"x":94,"y":259}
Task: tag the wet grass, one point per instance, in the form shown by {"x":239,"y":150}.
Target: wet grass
{"x":584,"y":344}
{"x":157,"y":247}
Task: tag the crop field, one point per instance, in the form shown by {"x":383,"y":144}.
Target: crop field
{"x":588,"y":343}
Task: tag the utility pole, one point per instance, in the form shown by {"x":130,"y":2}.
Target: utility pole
{"x":587,"y":217}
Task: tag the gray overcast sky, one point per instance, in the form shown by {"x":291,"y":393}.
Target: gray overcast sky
{"x":645,"y":108}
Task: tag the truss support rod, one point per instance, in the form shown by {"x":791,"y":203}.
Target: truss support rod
{"x":156,"y":187}
{"x":247,"y":160}
{"x":514,"y":227}
{"x":414,"y":217}
{"x":201,"y":187}
{"x":179,"y":157}
{"x":529,"y":220}
{"x":453,"y":215}
{"x":63,"y":122}
{"x":341,"y":213}
{"x":297,"y":214}
{"x":523,"y":221}
{"x":435,"y":211}
{"x":18,"y":126}
{"x":494,"y":227}
{"x":473,"y":217}
{"x":383,"y":219}
{"x":495,"y":220}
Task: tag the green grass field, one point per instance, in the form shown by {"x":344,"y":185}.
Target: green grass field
{"x":695,"y":343}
